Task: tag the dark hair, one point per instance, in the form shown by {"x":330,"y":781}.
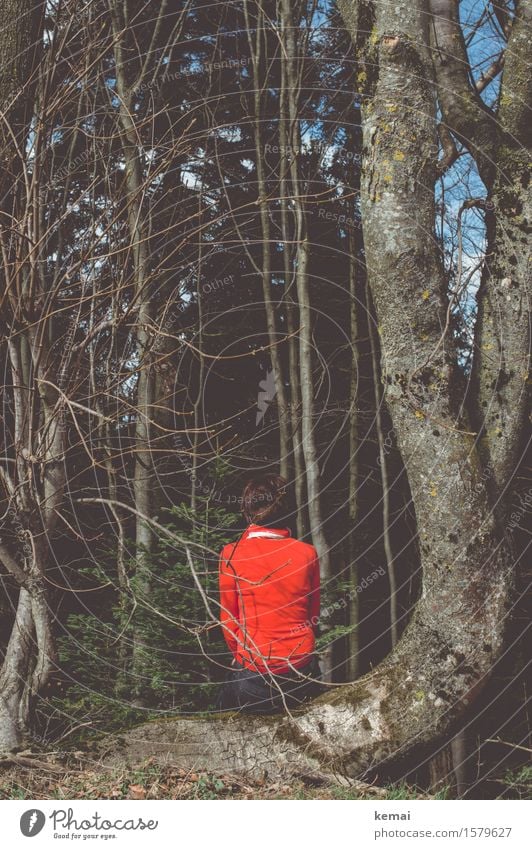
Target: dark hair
{"x":265,"y":500}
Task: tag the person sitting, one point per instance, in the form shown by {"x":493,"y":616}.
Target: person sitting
{"x":269,"y":606}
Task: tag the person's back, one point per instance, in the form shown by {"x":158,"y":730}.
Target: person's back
{"x":269,"y":605}
{"x":269,"y":597}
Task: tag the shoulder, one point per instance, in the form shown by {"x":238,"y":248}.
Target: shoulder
{"x":306,"y":549}
{"x":228,"y":548}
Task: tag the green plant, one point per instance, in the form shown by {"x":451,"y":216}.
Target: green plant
{"x":518,"y":783}
{"x":169,"y":622}
{"x":209,"y":787}
{"x":14,"y":791}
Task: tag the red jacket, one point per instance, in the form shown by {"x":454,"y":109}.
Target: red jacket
{"x":269,"y":599}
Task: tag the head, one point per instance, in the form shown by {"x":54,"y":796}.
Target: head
{"x":265,"y":501}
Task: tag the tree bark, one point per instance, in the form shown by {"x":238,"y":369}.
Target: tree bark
{"x":22,"y":22}
{"x":143,"y":477}
{"x":353,"y":643}
{"x":385,"y":487}
{"x":15,"y":673}
{"x":198,"y":401}
{"x":500,"y":399}
{"x":256,"y":43}
{"x":310,"y":454}
{"x":464,"y":111}
{"x":300,"y":486}
{"x":34,"y":482}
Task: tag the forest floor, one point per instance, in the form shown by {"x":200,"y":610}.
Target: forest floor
{"x":73,"y":776}
{"x":77,"y":775}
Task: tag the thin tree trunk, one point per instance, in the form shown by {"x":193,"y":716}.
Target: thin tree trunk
{"x":22,"y":22}
{"x":15,"y":675}
{"x":143,"y":478}
{"x":31,"y":655}
{"x":300,"y":487}
{"x":447,"y":768}
{"x":198,"y":402}
{"x":310,"y":452}
{"x":353,"y":647}
{"x":459,"y":747}
{"x":441,"y":776}
{"x":124,"y":589}
{"x":385,"y":484}
{"x":259,"y":85}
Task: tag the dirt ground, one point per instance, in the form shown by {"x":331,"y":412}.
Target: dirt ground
{"x":75,"y":776}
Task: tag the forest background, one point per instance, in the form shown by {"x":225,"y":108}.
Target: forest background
{"x":185,"y":301}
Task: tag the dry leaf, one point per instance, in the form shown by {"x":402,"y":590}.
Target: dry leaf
{"x":137,"y":791}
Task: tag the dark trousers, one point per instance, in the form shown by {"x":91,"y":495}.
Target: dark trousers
{"x":256,"y":692}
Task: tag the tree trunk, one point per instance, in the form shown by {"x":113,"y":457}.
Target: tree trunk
{"x":353,"y":647}
{"x":259,"y":84}
{"x":503,"y":340}
{"x":300,"y":486}
{"x":385,"y":486}
{"x":310,"y":453}
{"x":500,"y":143}
{"x":34,"y":483}
{"x":33,"y":510}
{"x":143,"y":478}
{"x":447,"y":768}
{"x":22,"y":22}
{"x":198,"y":401}
{"x":15,"y":676}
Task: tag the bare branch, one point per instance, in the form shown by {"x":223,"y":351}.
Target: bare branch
{"x":450,"y":150}
{"x":490,"y":74}
{"x":464,"y":112}
{"x":12,"y":566}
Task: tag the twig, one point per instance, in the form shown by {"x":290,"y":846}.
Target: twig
{"x":507,"y":743}
{"x":29,"y":763}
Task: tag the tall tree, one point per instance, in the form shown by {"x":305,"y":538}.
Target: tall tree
{"x":289,"y":14}
{"x":33,"y":482}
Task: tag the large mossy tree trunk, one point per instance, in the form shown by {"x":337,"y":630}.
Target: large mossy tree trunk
{"x":444,"y":657}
